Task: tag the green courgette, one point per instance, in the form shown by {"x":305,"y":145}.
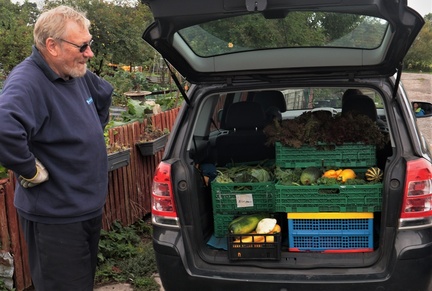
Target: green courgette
{"x":246,"y":223}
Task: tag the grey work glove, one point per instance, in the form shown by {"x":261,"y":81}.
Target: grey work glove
{"x":40,"y":176}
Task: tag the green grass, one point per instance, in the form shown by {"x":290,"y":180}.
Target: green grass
{"x":126,"y":256}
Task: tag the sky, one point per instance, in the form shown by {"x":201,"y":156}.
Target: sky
{"x":423,"y":7}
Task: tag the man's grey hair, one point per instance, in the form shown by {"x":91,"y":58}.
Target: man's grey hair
{"x":52,"y":23}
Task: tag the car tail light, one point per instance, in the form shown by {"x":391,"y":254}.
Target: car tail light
{"x":163,"y":207}
{"x":417,"y":204}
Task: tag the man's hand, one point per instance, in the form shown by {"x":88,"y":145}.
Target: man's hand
{"x":40,"y":177}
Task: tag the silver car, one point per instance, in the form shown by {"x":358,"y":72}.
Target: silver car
{"x":285,"y":86}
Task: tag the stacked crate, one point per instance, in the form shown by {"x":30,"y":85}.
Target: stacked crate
{"x":234,"y":199}
{"x":348,"y":155}
{"x":321,"y":198}
{"x":329,"y":218}
{"x":330,"y":232}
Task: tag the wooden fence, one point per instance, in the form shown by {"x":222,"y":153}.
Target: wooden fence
{"x":129,"y":195}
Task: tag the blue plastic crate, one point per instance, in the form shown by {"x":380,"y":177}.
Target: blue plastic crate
{"x":330,"y":234}
{"x":344,"y":156}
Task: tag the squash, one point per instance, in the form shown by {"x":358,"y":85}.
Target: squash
{"x":374,"y":174}
{"x":266,"y":225}
{"x":259,"y":238}
{"x":346,"y":174}
{"x":245,"y":224}
{"x":332,"y":173}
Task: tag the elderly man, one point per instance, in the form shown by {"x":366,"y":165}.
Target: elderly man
{"x":53,"y":112}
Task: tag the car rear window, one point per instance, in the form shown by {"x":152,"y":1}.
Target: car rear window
{"x":293,"y":30}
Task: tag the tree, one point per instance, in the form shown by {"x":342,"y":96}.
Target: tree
{"x":419,"y":56}
{"x":116,"y":28}
{"x":16,"y":32}
{"x":291,"y":30}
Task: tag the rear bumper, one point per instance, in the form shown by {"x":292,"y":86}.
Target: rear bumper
{"x":412,"y":270}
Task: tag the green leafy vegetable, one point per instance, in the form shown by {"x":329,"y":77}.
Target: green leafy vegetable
{"x":288,"y":177}
{"x":244,"y":174}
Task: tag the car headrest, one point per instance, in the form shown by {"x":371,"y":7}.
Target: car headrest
{"x":270,"y":98}
{"x":360,"y":104}
{"x":245,"y":115}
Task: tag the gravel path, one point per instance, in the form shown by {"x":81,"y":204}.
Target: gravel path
{"x":419,"y":88}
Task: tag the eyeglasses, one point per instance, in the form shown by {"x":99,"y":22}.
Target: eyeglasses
{"x":82,"y":48}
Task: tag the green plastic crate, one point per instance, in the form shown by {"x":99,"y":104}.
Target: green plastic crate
{"x":221,"y":222}
{"x":343,"y":198}
{"x":347,"y":155}
{"x":236,"y":198}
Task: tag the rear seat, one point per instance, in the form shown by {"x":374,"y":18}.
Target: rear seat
{"x":363,"y":104}
{"x":272,"y":102}
{"x":245,"y":140}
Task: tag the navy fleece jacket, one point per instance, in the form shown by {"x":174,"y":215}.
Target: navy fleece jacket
{"x":60,"y":122}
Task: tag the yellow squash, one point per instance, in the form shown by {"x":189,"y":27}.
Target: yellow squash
{"x":346,"y":174}
{"x":332,"y":173}
{"x":259,"y":238}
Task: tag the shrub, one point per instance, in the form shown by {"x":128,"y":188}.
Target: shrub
{"x":126,"y":255}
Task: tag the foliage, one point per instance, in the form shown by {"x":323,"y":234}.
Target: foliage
{"x":4,"y":287}
{"x":419,"y":56}
{"x":121,"y":82}
{"x":244,"y":174}
{"x":3,"y":172}
{"x":254,"y":31}
{"x":16,"y":32}
{"x":116,"y":30}
{"x":294,"y":29}
{"x":292,"y":177}
{"x":169,"y":100}
{"x":288,"y":176}
{"x":136,"y":111}
{"x":139,"y":81}
{"x":124,"y":81}
{"x":151,"y":133}
{"x":320,"y":127}
{"x":126,"y":255}
{"x":112,"y":147}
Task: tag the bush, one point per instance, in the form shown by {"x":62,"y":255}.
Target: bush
{"x":124,"y":81}
{"x":3,"y":172}
{"x":126,"y":255}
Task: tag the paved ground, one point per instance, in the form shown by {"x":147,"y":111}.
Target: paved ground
{"x":115,"y":287}
{"x":419,"y":88}
{"x":124,"y":287}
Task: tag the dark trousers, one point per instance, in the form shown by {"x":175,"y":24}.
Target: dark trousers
{"x":62,"y":257}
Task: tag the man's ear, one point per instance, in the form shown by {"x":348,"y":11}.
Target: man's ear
{"x":52,"y":46}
